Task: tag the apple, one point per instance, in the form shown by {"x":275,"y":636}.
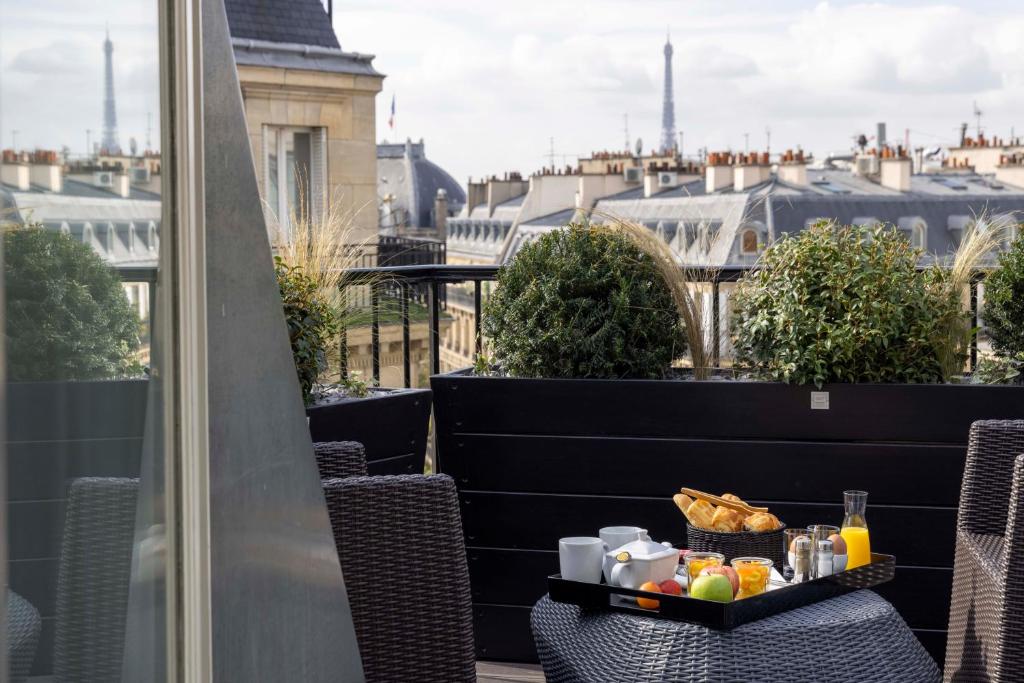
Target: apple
{"x":670,"y":587}
{"x":714,"y":587}
{"x":728,"y":572}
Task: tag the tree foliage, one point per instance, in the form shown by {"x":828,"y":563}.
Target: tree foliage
{"x":583,"y":302}
{"x":67,"y":314}
{"x":842,"y":304}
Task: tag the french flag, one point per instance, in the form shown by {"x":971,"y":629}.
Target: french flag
{"x":391,"y":119}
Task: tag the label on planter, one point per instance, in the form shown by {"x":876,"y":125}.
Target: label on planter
{"x":819,"y":400}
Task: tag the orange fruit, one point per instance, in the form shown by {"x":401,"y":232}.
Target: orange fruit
{"x":647,"y":603}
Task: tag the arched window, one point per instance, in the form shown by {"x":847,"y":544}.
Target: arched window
{"x":915,"y":229}
{"x":748,"y":242}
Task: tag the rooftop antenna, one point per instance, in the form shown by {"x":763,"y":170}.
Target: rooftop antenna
{"x":680,"y":144}
{"x":977,"y":118}
{"x":767,"y":139}
{"x":88,"y":141}
{"x":14,"y":140}
{"x":746,"y":143}
{"x":149,"y":130}
{"x":625,"y":128}
{"x":551,"y":152}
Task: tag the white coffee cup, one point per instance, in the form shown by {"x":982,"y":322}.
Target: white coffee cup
{"x":580,"y":557}
{"x":616,"y":537}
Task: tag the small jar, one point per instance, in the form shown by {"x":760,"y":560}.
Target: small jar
{"x":823,"y":559}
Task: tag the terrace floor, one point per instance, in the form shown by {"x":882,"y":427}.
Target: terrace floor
{"x":505,"y":672}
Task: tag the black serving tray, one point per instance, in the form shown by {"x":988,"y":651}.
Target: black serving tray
{"x":723,"y":615}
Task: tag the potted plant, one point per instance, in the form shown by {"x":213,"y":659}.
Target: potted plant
{"x":310,"y":264}
{"x":849,"y":357}
{"x":1004,"y":317}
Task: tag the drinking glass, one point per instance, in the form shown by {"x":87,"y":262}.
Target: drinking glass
{"x":819,"y":532}
{"x":694,"y":562}
{"x":789,"y":538}
{"x":754,"y":573}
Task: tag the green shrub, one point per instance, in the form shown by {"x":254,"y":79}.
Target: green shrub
{"x":312,"y":324}
{"x":842,"y":304}
{"x":1004,"y":301}
{"x":582,"y":302}
{"x":67,"y":315}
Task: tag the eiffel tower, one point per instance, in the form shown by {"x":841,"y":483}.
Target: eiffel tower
{"x":109,"y":144}
{"x":668,"y":105}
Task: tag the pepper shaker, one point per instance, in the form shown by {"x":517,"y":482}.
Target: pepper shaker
{"x":802,"y":560}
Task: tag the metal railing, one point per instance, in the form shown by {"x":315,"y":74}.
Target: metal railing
{"x":405,"y":281}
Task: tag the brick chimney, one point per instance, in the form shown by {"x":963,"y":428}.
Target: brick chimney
{"x":1011,"y":169}
{"x":46,"y":171}
{"x":441,"y":213}
{"x":793,"y":167}
{"x":751,"y":169}
{"x":894,"y":168}
{"x":15,"y":171}
{"x":719,"y":174}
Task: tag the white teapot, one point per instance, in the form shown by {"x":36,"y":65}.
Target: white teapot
{"x":641,"y":561}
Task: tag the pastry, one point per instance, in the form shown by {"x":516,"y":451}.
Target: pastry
{"x":762,"y":521}
{"x":700,"y":514}
{"x":733,"y":497}
{"x":683,"y":502}
{"x":725,"y":519}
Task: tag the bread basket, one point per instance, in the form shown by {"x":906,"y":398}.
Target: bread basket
{"x":738,"y":543}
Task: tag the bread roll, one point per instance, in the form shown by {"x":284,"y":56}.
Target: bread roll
{"x":683,"y":502}
{"x":762,"y":521}
{"x":733,"y":497}
{"x":725,"y":519}
{"x":700,"y":514}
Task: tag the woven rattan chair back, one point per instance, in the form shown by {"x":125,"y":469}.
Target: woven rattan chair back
{"x":403,"y":557}
{"x":340,"y":459}
{"x":985,"y":641}
{"x":92,"y":580}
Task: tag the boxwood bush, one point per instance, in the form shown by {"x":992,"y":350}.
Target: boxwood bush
{"x":842,"y":304}
{"x":1004,"y":302}
{"x":312,"y":324}
{"x":582,"y":302}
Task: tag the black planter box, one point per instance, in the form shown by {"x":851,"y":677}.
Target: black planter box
{"x":391,"y":424}
{"x":57,"y":432}
{"x":539,"y":459}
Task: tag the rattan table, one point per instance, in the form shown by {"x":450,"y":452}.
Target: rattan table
{"x":855,"y":637}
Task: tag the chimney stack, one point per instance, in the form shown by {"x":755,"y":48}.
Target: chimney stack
{"x":46,"y":171}
{"x":751,"y":169}
{"x":719,"y":173}
{"x":14,"y":171}
{"x":895,"y":169}
{"x":441,"y":213}
{"x":122,"y":184}
{"x":793,"y":167}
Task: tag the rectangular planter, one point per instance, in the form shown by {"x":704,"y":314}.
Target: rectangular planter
{"x":57,"y":432}
{"x":538,"y":459}
{"x":391,"y":424}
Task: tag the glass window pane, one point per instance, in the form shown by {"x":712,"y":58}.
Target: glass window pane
{"x":82,"y":200}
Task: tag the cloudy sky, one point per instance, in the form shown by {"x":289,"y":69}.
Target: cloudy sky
{"x":488,"y":84}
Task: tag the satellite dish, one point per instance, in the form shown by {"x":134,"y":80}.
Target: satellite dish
{"x":639,"y":147}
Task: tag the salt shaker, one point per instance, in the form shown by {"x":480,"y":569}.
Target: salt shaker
{"x":824,"y":559}
{"x":802,"y":560}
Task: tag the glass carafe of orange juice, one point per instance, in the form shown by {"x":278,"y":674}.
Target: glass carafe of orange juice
{"x":855,"y":529}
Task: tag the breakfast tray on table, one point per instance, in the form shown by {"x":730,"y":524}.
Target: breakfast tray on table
{"x":722,"y":615}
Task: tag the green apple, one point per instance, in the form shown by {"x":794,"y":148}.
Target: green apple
{"x":715,"y":587}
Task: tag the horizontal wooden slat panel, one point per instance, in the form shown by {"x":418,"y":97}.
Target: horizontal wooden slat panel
{"x":779,"y":470}
{"x":401,"y":464}
{"x":35,"y":529}
{"x":917,"y":536}
{"x":43,"y":470}
{"x":36,"y":581}
{"x":54,"y":411}
{"x":717,"y":409}
{"x":519,"y":577}
{"x":503,"y":633}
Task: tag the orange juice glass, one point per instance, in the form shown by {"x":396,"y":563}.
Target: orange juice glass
{"x":754,"y":573}
{"x":694,"y":562}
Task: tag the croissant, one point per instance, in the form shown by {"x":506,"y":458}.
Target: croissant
{"x":725,"y":519}
{"x":700,"y":514}
{"x":762,"y":521}
{"x":733,"y":497}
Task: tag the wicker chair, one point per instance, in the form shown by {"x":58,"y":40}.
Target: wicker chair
{"x":23,"y":627}
{"x":339,"y":459}
{"x":400,"y":543}
{"x":986,"y":630}
{"x":92,"y":580}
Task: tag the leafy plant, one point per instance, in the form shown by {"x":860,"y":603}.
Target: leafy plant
{"x":583,"y":302}
{"x":1004,"y":301}
{"x":312,"y":324}
{"x":842,"y":304}
{"x":68,"y":316}
{"x":999,"y":370}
